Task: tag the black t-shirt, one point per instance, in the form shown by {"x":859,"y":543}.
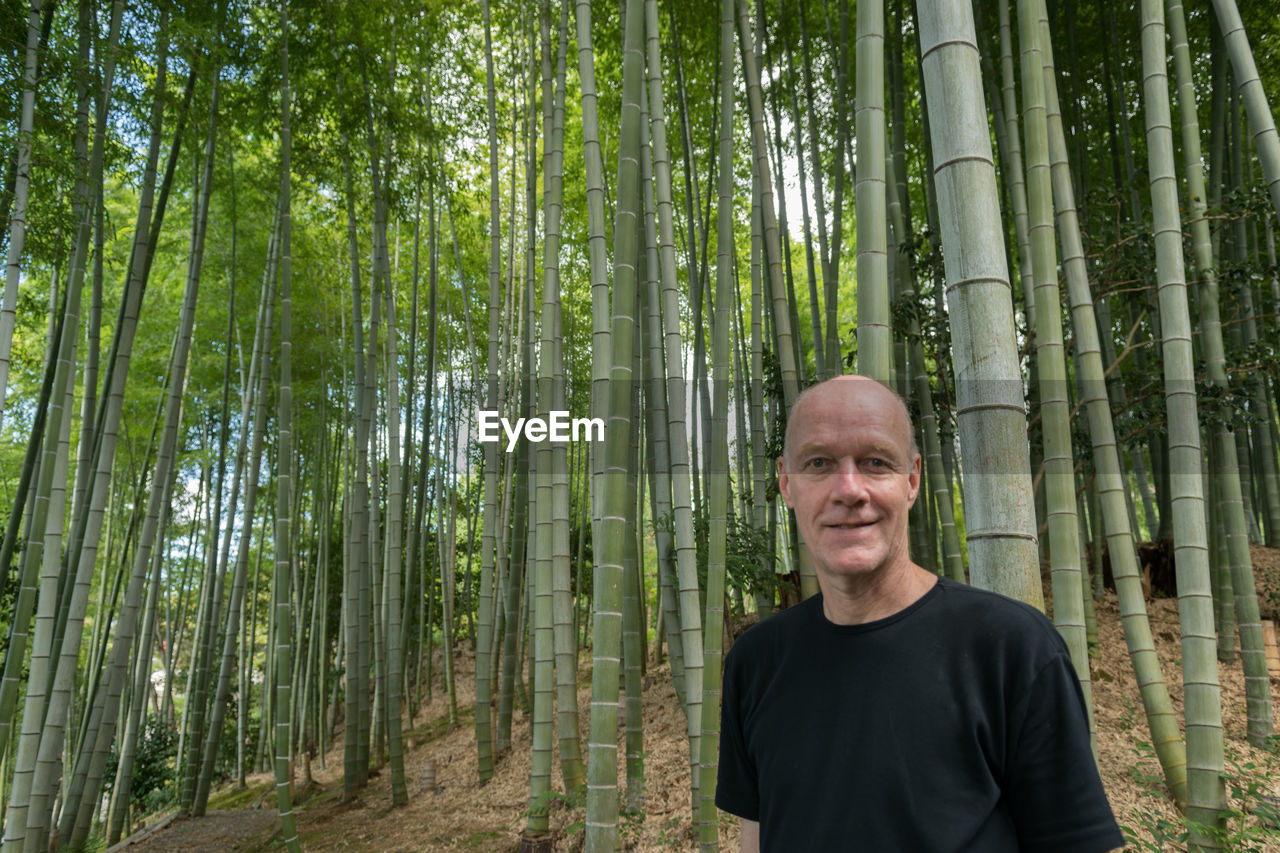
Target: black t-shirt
{"x":957,"y":724}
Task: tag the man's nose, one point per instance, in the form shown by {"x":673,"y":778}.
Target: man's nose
{"x":850,"y":484}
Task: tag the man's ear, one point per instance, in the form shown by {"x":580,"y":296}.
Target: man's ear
{"x":784,"y":481}
{"x":913,"y":482}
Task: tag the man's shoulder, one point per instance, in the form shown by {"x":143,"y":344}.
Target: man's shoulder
{"x":973,"y":596}
{"x":994,"y":612}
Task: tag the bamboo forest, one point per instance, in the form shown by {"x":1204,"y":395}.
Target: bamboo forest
{"x":392,"y":393}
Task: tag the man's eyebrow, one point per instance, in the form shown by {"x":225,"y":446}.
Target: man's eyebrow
{"x":811,"y":446}
{"x":878,"y":448}
{"x":797,"y":455}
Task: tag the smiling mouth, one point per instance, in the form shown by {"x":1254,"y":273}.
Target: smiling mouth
{"x":851,"y":526}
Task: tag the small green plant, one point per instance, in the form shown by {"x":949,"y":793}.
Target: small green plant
{"x":748,"y":559}
{"x":482,"y":840}
{"x":153,"y":767}
{"x":1250,"y":821}
{"x":1129,"y":716}
{"x":1157,"y":834}
{"x":574,"y":800}
{"x":630,"y":826}
{"x":1251,"y":815}
{"x":544,"y":802}
{"x":1154,"y":832}
{"x":671,"y":836}
{"x":631,"y":811}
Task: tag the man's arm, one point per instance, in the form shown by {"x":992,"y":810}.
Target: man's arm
{"x":1053,"y":788}
{"x":750,"y":836}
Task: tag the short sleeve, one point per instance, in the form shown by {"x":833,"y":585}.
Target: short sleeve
{"x":737,"y":789}
{"x":1052,"y":786}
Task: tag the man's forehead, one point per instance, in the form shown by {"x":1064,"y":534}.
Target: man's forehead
{"x":845,"y":438}
{"x":843,"y":404}
{"x":849,"y":390}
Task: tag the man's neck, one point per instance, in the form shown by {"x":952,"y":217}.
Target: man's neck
{"x":854,"y":601}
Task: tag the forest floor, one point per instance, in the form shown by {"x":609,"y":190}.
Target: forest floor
{"x":460,"y":815}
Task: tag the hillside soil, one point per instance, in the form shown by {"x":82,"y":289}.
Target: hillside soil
{"x":458,"y":814}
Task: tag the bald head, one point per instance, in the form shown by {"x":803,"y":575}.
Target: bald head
{"x":855,"y":386}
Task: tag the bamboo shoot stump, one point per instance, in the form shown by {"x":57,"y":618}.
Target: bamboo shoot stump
{"x":1269,"y":640}
{"x":536,"y":844}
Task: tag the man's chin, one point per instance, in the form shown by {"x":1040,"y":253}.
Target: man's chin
{"x":855,"y":564}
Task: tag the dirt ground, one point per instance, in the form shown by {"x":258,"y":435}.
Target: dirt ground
{"x":219,"y":829}
{"x":460,"y":815}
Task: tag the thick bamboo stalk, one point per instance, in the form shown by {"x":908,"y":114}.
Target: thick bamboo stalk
{"x":875,"y":337}
{"x":543,"y":700}
{"x":815,"y":311}
{"x":1205,"y":786}
{"x":1051,"y":366}
{"x":998,"y":499}
{"x":1226,"y":472}
{"x":566,"y":657}
{"x":687,"y":593}
{"x":773,"y":241}
{"x":1014,"y":173}
{"x":485,"y":619}
{"x":718,"y":483}
{"x":615,"y":503}
{"x":21,"y":190}
{"x":282,"y":615}
{"x":633,"y":656}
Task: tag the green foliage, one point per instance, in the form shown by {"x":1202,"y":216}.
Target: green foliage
{"x":1252,"y":816}
{"x":9,"y":583}
{"x":224,"y":764}
{"x":153,"y":766}
{"x":1154,"y":831}
{"x":672,"y":835}
{"x":574,"y":800}
{"x":631,"y":820}
{"x":241,"y":798}
{"x":543,"y":803}
{"x":772,"y":385}
{"x":749,"y":563}
{"x":748,"y":560}
{"x":482,"y":840}
{"x":1228,"y":407}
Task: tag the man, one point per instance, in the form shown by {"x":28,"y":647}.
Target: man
{"x":897,"y":712}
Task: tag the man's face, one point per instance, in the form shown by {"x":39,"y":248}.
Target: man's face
{"x":851,"y":477}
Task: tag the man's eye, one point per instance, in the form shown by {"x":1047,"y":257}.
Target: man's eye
{"x":876,"y":463}
{"x":816,"y":464}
